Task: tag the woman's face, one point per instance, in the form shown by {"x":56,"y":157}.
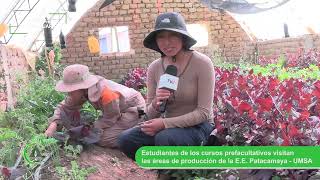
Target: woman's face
{"x":76,"y":95}
{"x":170,"y":43}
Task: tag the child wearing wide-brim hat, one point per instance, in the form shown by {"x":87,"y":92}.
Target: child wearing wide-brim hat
{"x":119,"y":104}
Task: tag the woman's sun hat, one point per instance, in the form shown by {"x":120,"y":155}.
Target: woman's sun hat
{"x":171,"y":21}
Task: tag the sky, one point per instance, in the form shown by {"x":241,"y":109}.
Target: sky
{"x":297,"y":14}
{"x":33,"y":24}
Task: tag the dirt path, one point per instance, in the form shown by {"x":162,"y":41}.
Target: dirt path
{"x":112,"y":164}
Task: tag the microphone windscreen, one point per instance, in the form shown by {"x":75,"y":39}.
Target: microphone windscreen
{"x":169,"y":79}
{"x":172,"y":70}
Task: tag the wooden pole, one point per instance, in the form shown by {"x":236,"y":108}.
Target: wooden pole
{"x":117,"y":39}
{"x":48,"y":62}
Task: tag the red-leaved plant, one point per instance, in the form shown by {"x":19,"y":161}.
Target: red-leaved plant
{"x":135,"y":79}
{"x":257,"y":110}
{"x":301,"y":58}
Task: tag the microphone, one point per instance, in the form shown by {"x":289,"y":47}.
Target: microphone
{"x":169,"y":81}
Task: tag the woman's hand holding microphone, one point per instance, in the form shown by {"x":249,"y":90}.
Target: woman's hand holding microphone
{"x":153,"y":126}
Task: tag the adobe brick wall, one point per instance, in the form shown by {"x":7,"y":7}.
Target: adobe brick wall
{"x":279,"y":46}
{"x":225,"y":34}
{"x":3,"y":96}
{"x":233,"y":41}
{"x":274,"y":48}
{"x":17,"y":67}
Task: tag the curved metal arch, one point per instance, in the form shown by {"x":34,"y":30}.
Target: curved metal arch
{"x":16,"y":17}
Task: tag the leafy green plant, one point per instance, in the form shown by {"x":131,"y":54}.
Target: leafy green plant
{"x":22,"y":125}
{"x":9,"y":146}
{"x":72,"y":151}
{"x":143,"y":91}
{"x":20,"y":120}
{"x":35,"y":103}
{"x":88,"y":110}
{"x":37,"y":148}
{"x":39,"y":99}
{"x":75,"y":173}
{"x":40,"y":95}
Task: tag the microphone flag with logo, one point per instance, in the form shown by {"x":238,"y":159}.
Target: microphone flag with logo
{"x":169,"y":81}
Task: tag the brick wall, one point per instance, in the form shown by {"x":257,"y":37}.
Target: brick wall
{"x":274,"y":48}
{"x":233,"y":41}
{"x":16,"y":66}
{"x":291,"y":45}
{"x":3,"y":96}
{"x":225,"y":34}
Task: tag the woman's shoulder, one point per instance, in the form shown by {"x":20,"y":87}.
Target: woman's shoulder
{"x":155,"y":64}
{"x":200,"y":58}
